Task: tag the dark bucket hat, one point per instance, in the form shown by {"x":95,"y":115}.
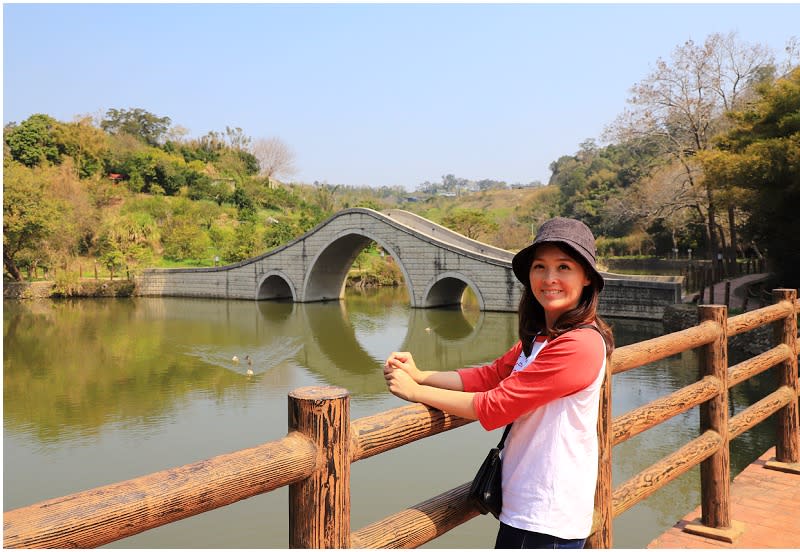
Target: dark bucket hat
{"x":573,"y":233}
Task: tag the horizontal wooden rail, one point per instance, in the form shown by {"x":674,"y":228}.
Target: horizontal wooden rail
{"x":757,"y":364}
{"x":99,"y":516}
{"x":751,"y":320}
{"x":419,"y":524}
{"x":640,"y":419}
{"x":760,"y":411}
{"x":662,"y":472}
{"x":638,"y":354}
{"x":394,"y":428}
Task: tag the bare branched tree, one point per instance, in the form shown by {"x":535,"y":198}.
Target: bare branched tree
{"x":275,"y":158}
{"x":680,"y":106}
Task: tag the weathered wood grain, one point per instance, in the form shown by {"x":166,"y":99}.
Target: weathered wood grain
{"x":638,"y":354}
{"x":787,"y":449}
{"x":105,"y":514}
{"x":662,"y":472}
{"x":418,"y":524}
{"x":715,"y":471}
{"x":394,"y":428}
{"x":602,"y":523}
{"x":751,"y":320}
{"x":640,"y":419}
{"x":760,"y":411}
{"x":757,"y":364}
{"x":319,"y":505}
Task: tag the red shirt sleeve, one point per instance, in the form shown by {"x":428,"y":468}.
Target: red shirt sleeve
{"x":564,"y":366}
{"x":484,"y":378}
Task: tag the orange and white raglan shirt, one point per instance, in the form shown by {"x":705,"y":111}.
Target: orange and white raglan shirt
{"x":550,"y":455}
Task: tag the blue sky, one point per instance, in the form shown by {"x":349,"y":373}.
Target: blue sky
{"x":366,"y":94}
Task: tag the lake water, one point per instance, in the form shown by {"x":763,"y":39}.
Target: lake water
{"x":99,"y":391}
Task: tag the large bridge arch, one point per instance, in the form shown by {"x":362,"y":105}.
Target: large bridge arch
{"x":327,"y":275}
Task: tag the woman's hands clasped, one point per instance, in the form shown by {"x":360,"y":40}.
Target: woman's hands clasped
{"x":402,"y":375}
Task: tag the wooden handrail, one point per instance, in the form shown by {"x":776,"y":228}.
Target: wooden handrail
{"x":394,"y":428}
{"x":639,"y":419}
{"x":314,"y":458}
{"x":418,"y":524}
{"x":754,"y":319}
{"x":638,"y":354}
{"x":99,"y":516}
{"x":760,"y":411}
{"x":757,"y":364}
{"x":665,"y":470}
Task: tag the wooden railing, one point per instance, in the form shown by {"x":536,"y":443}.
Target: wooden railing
{"x":314,"y":458}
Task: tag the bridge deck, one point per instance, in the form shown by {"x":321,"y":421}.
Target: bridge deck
{"x":764,"y":502}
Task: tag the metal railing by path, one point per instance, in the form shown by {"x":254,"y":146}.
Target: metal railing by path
{"x":314,"y":458}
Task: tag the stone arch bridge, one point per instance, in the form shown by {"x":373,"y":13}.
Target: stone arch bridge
{"x":437,"y":265}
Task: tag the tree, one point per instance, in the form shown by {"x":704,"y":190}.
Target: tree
{"x":137,"y":122}
{"x":680,"y":106}
{"x":85,"y":143}
{"x":275,"y":158}
{"x":762,"y":154}
{"x":30,"y":216}
{"x":33,"y":142}
{"x":473,"y":223}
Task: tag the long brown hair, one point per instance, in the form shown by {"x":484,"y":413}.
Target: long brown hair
{"x":532,"y":318}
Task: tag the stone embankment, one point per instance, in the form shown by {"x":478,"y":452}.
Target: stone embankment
{"x":83,"y":288}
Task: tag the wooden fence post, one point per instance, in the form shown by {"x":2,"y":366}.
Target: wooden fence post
{"x":715,"y":476}
{"x":711,"y":299}
{"x":787,"y":449}
{"x":602,"y":537}
{"x":319,"y":506}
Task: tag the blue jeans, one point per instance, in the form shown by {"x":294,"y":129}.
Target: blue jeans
{"x":511,"y":537}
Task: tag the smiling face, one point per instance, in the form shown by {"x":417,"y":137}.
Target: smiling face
{"x":557,"y":281}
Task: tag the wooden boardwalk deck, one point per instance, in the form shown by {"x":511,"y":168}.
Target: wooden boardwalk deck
{"x":764,"y":502}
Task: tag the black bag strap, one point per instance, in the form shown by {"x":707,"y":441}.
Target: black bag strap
{"x":502,"y":442}
{"x":505,"y":434}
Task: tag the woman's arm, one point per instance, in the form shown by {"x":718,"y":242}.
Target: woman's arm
{"x":458,"y":403}
{"x":405,"y":362}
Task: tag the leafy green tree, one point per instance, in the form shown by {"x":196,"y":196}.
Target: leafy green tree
{"x":30,"y":216}
{"x":762,"y":154}
{"x":473,"y":223}
{"x":84,"y":143}
{"x":128,"y":238}
{"x":245,"y":244}
{"x":136,"y":122}
{"x":183,"y":238}
{"x":278,"y":232}
{"x":33,"y":142}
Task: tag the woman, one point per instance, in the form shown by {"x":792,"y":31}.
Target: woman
{"x":547,"y":384}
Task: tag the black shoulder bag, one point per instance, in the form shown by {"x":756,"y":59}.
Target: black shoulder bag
{"x":486,"y":489}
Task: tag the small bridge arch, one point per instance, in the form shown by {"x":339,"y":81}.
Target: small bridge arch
{"x":275,"y":284}
{"x":447,"y":289}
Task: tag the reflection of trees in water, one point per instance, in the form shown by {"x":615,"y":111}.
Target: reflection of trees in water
{"x":72,"y":367}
